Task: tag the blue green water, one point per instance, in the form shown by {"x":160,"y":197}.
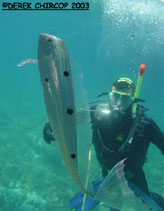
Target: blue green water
{"x":109,"y":41}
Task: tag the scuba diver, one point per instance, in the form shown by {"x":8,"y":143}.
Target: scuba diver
{"x":112,"y":124}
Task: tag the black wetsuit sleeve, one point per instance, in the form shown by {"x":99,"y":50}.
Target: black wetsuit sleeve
{"x":92,"y":114}
{"x":95,"y":138}
{"x":99,"y":152}
{"x":47,"y":133}
{"x":156,"y":135}
{"x":148,"y":129}
{"x":97,"y":146}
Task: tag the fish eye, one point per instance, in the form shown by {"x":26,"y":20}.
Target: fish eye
{"x":48,"y":46}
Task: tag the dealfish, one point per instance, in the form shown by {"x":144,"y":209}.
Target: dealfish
{"x":56,"y":81}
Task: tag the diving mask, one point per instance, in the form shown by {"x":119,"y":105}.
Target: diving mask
{"x":120,"y":100}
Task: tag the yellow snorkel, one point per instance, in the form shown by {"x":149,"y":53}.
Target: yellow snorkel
{"x":134,"y":106}
{"x":138,"y":87}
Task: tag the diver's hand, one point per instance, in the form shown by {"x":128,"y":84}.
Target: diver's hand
{"x":146,"y":127}
{"x":47,"y":133}
{"x":142,"y":127}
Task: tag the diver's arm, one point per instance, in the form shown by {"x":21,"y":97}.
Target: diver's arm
{"x":99,"y":152}
{"x":157,"y":136}
{"x":95,"y":138}
{"x":148,"y":128}
{"x":93,"y":114}
{"x":47,"y":133}
{"x":97,"y":146}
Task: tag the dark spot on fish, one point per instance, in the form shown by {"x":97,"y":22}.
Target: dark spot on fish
{"x":66,"y":73}
{"x":73,"y":156}
{"x":46,"y":79}
{"x":69,"y":111}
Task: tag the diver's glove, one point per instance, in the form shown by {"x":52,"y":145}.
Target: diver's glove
{"x":147,"y":128}
{"x":47,"y":133}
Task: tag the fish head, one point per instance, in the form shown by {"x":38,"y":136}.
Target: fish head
{"x":47,"y":44}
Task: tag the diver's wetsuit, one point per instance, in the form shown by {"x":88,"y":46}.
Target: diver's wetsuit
{"x":110,"y":130}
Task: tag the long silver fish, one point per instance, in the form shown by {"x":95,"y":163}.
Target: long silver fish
{"x":56,"y":80}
